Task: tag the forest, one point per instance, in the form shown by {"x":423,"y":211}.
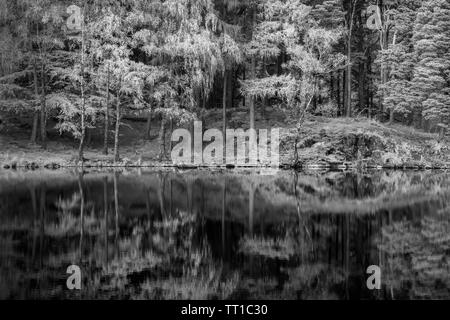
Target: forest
{"x":359,"y":91}
{"x":96,"y":77}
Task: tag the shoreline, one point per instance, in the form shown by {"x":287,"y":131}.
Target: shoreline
{"x":323,"y":143}
{"x":311,"y":165}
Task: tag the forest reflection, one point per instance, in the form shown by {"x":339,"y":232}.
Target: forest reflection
{"x":225,"y":235}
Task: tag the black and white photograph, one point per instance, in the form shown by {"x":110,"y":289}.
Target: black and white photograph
{"x":241,"y":152}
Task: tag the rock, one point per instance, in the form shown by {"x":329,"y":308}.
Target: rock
{"x":306,"y":143}
{"x":52,"y":166}
{"x":361,"y":145}
{"x":410,"y":165}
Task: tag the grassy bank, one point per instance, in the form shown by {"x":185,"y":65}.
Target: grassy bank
{"x":322,"y":142}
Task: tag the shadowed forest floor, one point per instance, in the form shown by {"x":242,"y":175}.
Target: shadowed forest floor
{"x":322,"y":141}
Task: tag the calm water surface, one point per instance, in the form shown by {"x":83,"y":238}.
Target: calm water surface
{"x":224,"y":235}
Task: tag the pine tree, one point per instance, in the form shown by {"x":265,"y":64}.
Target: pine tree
{"x":398,"y":60}
{"x":431,"y":82}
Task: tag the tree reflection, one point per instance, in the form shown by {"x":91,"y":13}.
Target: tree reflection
{"x":315,"y":239}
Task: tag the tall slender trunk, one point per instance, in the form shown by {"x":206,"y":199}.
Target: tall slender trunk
{"x":369,"y":93}
{"x":106,"y":126}
{"x":43,"y":107}
{"x":162,"y":139}
{"x":344,"y":92}
{"x":338,"y":92}
{"x":391,"y":110}
{"x":349,"y":76}
{"x":349,"y":60}
{"x":116,"y":132}
{"x":34,"y":130}
{"x":251,"y":100}
{"x":148,"y":129}
{"x":361,"y":88}
{"x":171,"y":130}
{"x":383,"y":72}
{"x":224,"y":113}
{"x":83,"y":99}
{"x":332,"y":93}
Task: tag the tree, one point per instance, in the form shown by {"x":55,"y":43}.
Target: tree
{"x":174,"y":40}
{"x":350,"y":25}
{"x":37,"y":35}
{"x":73,"y":73}
{"x":396,"y":58}
{"x":228,"y":36}
{"x":431,"y":80}
{"x":310,"y":48}
{"x":106,"y":40}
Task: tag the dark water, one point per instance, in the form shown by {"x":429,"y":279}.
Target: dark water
{"x":233,"y":235}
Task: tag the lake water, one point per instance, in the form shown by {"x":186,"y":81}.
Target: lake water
{"x":224,"y":235}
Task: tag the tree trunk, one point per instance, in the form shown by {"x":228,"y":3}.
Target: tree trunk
{"x":349,"y":61}
{"x":391,"y":116}
{"x":361,"y":88}
{"x":224,"y":112}
{"x":83,"y":102}
{"x":162,"y":139}
{"x":83,"y":131}
{"x":116,"y":132}
{"x":43,"y":102}
{"x":106,"y":125}
{"x":34,"y":130}
{"x":251,"y":100}
{"x":383,"y":74}
{"x":148,"y":128}
{"x":391,"y":110}
{"x":338,"y":92}
{"x":332,"y":93}
{"x":349,"y":76}
{"x":171,"y":130}
{"x":344,"y":93}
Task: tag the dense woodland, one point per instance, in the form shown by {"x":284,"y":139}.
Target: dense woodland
{"x":173,"y":60}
